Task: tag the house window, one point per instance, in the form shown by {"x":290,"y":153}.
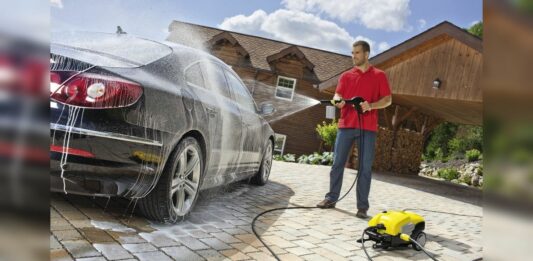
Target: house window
{"x":279,"y":143}
{"x":285,"y":88}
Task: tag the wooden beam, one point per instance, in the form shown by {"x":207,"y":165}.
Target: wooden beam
{"x":432,"y":125}
{"x":388,"y":120}
{"x":404,"y":117}
{"x":424,"y":125}
{"x":395,"y":116}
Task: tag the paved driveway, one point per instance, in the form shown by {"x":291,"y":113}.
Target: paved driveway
{"x":84,"y":228}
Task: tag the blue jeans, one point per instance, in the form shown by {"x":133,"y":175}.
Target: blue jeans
{"x":343,"y":144}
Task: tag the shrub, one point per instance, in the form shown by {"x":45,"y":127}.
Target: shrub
{"x":289,"y":157}
{"x":327,"y":132}
{"x":314,"y":158}
{"x":325,"y":158}
{"x":278,"y":157}
{"x":438,"y":141}
{"x":453,"y":140}
{"x":448,"y":174}
{"x":472,"y":155}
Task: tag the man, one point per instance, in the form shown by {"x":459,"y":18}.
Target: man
{"x":371,"y":84}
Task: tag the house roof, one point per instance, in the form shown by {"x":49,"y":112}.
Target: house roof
{"x":324,"y":64}
{"x":445,"y":28}
{"x":226,"y":36}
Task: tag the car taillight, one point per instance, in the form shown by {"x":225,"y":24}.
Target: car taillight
{"x":90,"y":90}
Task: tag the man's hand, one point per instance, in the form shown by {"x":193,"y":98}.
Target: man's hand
{"x":365,"y":106}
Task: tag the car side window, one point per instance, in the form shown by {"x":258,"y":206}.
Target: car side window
{"x":215,"y":79}
{"x":193,"y":75}
{"x":242,"y":96}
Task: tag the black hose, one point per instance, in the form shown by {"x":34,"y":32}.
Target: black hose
{"x":423,"y":249}
{"x":363,"y":242}
{"x":341,"y":198}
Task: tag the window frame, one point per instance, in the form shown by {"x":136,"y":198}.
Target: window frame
{"x":293,"y":89}
{"x":284,"y":136}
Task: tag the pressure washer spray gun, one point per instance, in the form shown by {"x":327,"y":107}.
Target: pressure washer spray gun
{"x":355,"y":101}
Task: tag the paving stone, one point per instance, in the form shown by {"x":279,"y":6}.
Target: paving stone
{"x":315,"y":257}
{"x":80,"y":248}
{"x":261,"y":256}
{"x":182,"y":253}
{"x":95,"y":235}
{"x":126,"y":237}
{"x":211,"y":255}
{"x":59,"y":224}
{"x":299,"y":251}
{"x":215,"y":243}
{"x":192,"y":243}
{"x":138,"y":248}
{"x":290,"y":257}
{"x":59,"y":255}
{"x":73,"y":215}
{"x":152,"y":256}
{"x":54,"y":244}
{"x":226,"y":238}
{"x":159,"y":239}
{"x":245,"y":248}
{"x":278,"y":241}
{"x":234,"y":254}
{"x":94,"y":259}
{"x":112,"y":251}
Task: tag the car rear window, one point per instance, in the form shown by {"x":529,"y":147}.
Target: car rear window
{"x":109,"y":50}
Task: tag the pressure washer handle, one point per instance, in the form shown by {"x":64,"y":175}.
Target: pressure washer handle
{"x":356,"y":102}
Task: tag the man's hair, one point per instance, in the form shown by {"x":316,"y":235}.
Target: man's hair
{"x":363,"y":44}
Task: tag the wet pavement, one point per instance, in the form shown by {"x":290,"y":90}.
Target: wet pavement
{"x":86,"y":228}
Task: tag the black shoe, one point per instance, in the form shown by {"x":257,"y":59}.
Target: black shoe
{"x":326,"y":203}
{"x":361,"y":213}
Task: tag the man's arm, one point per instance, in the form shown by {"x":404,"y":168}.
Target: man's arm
{"x":380,"y":104}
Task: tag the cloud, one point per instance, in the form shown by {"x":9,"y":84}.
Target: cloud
{"x":295,"y":27}
{"x":383,"y":46}
{"x":246,"y":24}
{"x":421,"y":23}
{"x":57,"y":3}
{"x":388,"y":15}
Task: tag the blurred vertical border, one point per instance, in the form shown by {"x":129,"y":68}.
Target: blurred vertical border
{"x":508,"y":128}
{"x":24,"y":130}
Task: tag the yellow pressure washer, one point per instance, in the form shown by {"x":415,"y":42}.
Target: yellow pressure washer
{"x":396,"y":229}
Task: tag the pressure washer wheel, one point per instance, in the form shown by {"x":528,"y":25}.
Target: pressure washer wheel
{"x":420,"y":238}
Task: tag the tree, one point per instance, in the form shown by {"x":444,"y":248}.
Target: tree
{"x":476,"y":29}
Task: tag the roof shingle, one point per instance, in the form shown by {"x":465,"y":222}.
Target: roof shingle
{"x":326,"y":64}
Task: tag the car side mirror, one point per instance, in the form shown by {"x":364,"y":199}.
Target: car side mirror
{"x":266,"y":109}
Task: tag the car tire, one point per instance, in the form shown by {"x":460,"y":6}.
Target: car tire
{"x":261,"y":177}
{"x":178,"y":188}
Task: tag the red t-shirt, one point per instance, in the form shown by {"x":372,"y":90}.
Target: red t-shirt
{"x":372,"y":85}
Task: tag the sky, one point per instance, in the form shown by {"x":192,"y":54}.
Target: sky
{"x":331,"y":25}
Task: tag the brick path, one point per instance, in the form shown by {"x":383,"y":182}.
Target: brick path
{"x":83,"y":228}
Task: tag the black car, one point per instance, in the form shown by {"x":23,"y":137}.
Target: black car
{"x":152,"y":122}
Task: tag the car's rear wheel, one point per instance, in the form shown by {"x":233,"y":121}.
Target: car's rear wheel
{"x":261,"y":177}
{"x":174,"y":196}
